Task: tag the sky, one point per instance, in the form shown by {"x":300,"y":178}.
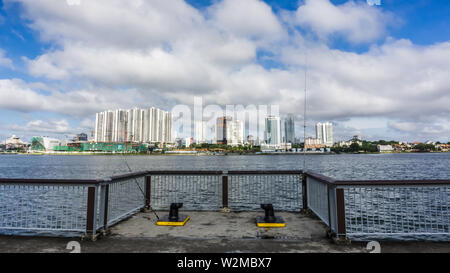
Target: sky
{"x":378,"y":71}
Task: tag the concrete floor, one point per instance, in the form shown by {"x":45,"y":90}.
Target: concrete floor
{"x":217,"y":225}
{"x":212,"y":232}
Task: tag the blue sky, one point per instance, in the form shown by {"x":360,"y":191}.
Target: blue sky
{"x":376,"y":71}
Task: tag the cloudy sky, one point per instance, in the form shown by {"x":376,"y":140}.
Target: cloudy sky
{"x":382,"y":72}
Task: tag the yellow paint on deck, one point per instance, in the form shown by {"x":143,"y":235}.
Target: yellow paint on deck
{"x":161,"y":223}
{"x":271,"y":225}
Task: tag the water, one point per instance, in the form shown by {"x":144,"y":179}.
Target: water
{"x":384,"y":215}
{"x":344,"y":166}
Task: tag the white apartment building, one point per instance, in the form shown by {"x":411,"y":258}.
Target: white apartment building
{"x":235,"y":133}
{"x":324,"y":132}
{"x":200,"y":132}
{"x":150,"y":126}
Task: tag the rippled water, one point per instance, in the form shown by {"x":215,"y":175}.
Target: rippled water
{"x":344,"y":166}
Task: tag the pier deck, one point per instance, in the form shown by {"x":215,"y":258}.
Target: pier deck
{"x":212,"y":232}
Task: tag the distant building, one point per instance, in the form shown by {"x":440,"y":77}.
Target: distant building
{"x":14,"y":142}
{"x":250,"y":140}
{"x":222,"y":130}
{"x":80,"y":138}
{"x":286,"y":146}
{"x":235,"y":132}
{"x":179,"y":142}
{"x":289,"y":129}
{"x":385,"y":148}
{"x":324,"y":132}
{"x":313,"y":143}
{"x":188,"y":142}
{"x":272,"y":134}
{"x":45,"y":144}
{"x":200,"y":132}
{"x":144,"y":126}
{"x":355,"y":139}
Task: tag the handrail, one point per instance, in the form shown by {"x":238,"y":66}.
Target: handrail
{"x":265,"y":172}
{"x":332,"y":181}
{"x":184,"y":172}
{"x":51,"y":181}
{"x":320,"y":177}
{"x":390,"y":182}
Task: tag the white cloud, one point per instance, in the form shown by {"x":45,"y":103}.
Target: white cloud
{"x":116,"y":54}
{"x":40,"y":126}
{"x":5,"y":62}
{"x":433,"y":126}
{"x":87,"y":123}
{"x":396,"y":80}
{"x":126,"y":24}
{"x":247,"y":18}
{"x":356,"y":21}
{"x":19,"y":96}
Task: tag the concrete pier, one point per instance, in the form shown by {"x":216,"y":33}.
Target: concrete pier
{"x":212,"y":232}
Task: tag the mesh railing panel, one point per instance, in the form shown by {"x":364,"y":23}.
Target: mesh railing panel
{"x":196,"y":192}
{"x":42,"y":209}
{"x":317,"y":192}
{"x":248,"y":192}
{"x":125,"y":198}
{"x":397,"y":212}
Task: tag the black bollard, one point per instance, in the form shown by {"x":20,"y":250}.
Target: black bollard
{"x":269,"y":220}
{"x":270,"y":214}
{"x":173,"y":213}
{"x":173,"y":219}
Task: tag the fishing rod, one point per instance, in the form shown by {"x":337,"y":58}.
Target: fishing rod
{"x":137,"y":183}
{"x":304,"y":115}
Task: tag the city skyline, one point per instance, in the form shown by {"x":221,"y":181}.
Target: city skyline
{"x":379,"y":71}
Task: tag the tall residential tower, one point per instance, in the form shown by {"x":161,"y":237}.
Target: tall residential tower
{"x":289,"y":129}
{"x":324,"y":132}
{"x":144,"y":126}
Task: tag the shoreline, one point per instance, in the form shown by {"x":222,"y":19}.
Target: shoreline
{"x":202,"y":154}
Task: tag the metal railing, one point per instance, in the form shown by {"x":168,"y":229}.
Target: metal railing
{"x":249,"y":189}
{"x":43,"y":206}
{"x":352,"y":209}
{"x":197,"y":190}
{"x":388,"y":209}
{"x":71,"y":207}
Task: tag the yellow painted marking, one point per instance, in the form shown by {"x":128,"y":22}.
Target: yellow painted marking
{"x":274,"y":225}
{"x":160,"y":223}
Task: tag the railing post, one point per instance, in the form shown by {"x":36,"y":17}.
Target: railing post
{"x":304,"y":192}
{"x":340,"y":210}
{"x":105,"y":208}
{"x":91,"y":212}
{"x":225,"y":191}
{"x":148,"y":193}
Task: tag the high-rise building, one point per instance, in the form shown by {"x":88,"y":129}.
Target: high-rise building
{"x":137,"y":125}
{"x":324,"y":132}
{"x":222,"y":130}
{"x":235,"y":132}
{"x":272,"y":134}
{"x":200,"y":132}
{"x":289,"y":129}
{"x":119,"y":130}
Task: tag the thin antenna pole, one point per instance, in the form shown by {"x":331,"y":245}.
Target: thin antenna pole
{"x":304,"y":115}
